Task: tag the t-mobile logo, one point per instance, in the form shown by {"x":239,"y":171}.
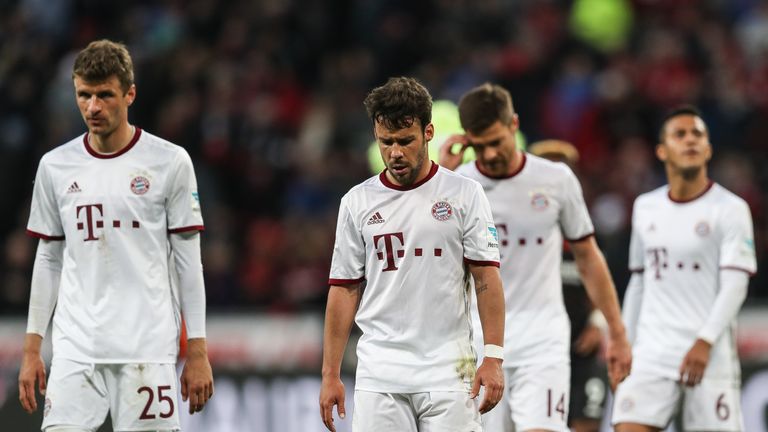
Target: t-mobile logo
{"x":93,"y":221}
{"x":90,"y":220}
{"x":658,"y":260}
{"x":390,"y":253}
{"x":389,"y":248}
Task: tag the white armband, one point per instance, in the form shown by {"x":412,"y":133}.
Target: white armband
{"x":494,"y":351}
{"x":597,"y":319}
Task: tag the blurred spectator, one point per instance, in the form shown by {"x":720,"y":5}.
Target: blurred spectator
{"x":266,"y":97}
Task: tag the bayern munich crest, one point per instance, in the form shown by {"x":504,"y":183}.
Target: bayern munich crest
{"x":441,"y":211}
{"x":139,"y":185}
{"x":539,"y":201}
{"x":702,"y":229}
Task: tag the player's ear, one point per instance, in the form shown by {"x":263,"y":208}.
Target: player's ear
{"x":130,"y":95}
{"x":661,"y":152}
{"x":429,"y":132}
{"x":515,"y":124}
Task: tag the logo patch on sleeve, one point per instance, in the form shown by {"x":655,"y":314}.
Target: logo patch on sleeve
{"x":493,"y":236}
{"x":195,"y":201}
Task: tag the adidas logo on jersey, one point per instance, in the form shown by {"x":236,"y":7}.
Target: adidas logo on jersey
{"x":73,"y":188}
{"x":376,"y":219}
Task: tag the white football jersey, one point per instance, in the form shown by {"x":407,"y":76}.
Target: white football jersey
{"x":533,"y":209}
{"x":680,"y":248}
{"x":411,"y":244}
{"x":116,"y":303}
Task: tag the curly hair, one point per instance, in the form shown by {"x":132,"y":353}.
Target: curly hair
{"x":101,"y":59}
{"x":398,"y":103}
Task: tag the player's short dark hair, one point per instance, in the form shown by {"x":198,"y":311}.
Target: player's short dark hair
{"x":101,"y":59}
{"x":482,"y":106}
{"x":399,"y":102}
{"x":675,"y":112}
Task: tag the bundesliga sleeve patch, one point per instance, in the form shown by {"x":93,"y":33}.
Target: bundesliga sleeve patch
{"x":748,"y":247}
{"x":195,"y":201}
{"x":493,"y":236}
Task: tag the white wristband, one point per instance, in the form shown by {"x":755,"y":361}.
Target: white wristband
{"x":597,"y":319}
{"x":494,"y":351}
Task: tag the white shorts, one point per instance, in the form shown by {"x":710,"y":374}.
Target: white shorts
{"x":415,"y":412}
{"x":139,"y":396}
{"x":535,"y":397}
{"x":648,"y":399}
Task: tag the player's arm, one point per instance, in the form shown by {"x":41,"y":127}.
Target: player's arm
{"x":339,"y":315}
{"x":600,"y":289}
{"x":197,"y":376}
{"x":737,"y":263}
{"x":46,"y":275}
{"x":490,"y":306}
{"x":733,"y":291}
{"x":633,"y":299}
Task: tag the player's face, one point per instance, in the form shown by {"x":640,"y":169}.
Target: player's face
{"x":103,"y":105}
{"x":404,"y":151}
{"x":495,"y":148}
{"x":686,"y":146}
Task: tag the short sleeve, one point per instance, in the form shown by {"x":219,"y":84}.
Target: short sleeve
{"x":44,"y":218}
{"x":183,"y":205}
{"x":348,"y":262}
{"x":481,"y":240}
{"x":574,"y":216}
{"x":636,"y":256}
{"x":737,"y":248}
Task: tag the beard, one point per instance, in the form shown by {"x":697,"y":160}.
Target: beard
{"x":410,"y":177}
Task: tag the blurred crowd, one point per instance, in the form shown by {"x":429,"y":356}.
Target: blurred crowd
{"x":266,"y":96}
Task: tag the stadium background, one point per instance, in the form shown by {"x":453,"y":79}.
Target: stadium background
{"x":266,"y":96}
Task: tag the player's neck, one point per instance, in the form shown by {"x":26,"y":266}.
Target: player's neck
{"x":515,"y":163}
{"x":113,"y":142}
{"x":686,"y":189}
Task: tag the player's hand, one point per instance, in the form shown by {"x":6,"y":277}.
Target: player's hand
{"x":32,"y":369}
{"x":694,"y":363}
{"x":331,"y":393}
{"x":197,"y":376}
{"x":589,"y":340}
{"x":618,"y":355}
{"x":447,"y":157}
{"x":490,"y":375}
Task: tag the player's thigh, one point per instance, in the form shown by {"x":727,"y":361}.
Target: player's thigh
{"x":539,"y":396}
{"x":645,"y":399}
{"x":76,"y":396}
{"x":713,"y":405}
{"x":383,"y":412}
{"x":447,"y":411}
{"x":143,"y":396}
{"x":589,"y":389}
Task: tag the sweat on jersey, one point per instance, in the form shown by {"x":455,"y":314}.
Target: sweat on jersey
{"x":680,"y":248}
{"x":533,"y":208}
{"x":411,"y":244}
{"x":117,"y":301}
